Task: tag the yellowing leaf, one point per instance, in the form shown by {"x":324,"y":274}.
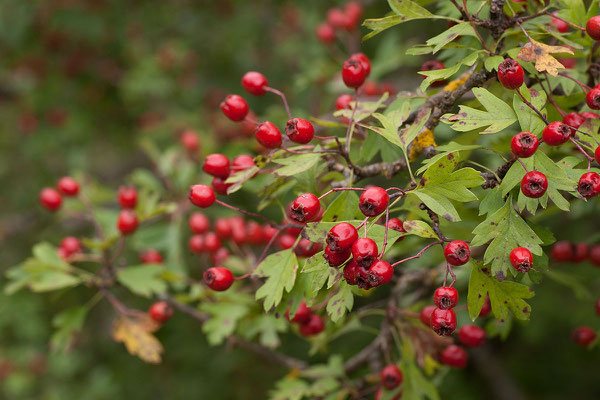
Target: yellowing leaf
{"x":135,"y":332}
{"x":540,"y":53}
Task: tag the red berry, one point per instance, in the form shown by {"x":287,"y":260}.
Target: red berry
{"x":268,"y":135}
{"x":556,"y":133}
{"x":299,"y":130}
{"x":199,"y":223}
{"x":593,"y":99}
{"x":254,"y":233}
{"x":335,"y":259}
{"x":534,"y":184}
{"x":127,"y":196}
{"x":454,"y":356}
{"x":50,"y":199}
{"x":286,"y":241}
{"x":336,"y":18}
{"x":562,"y":251}
{"x":445,"y":297}
{"x":574,"y":120}
{"x":443,"y":322}
{"x":302,"y":314}
{"x":373,"y":201}
{"x":196,"y":244}
{"x":343,"y":102}
{"x":242,"y":163}
{"x":341,"y":237}
{"x":189,"y":139}
{"x":487,"y":307}
{"x":68,"y":186}
{"x":234,"y":107}
{"x":325,"y":33}
{"x":521,"y":259}
{"x":220,"y":186}
{"x":589,"y":185}
{"x":425,"y":315}
{"x":583,"y":335}
{"x":391,"y":376}
{"x":524,"y":144}
{"x":590,"y":115}
{"x":353,"y":273}
{"x":353,"y":73}
{"x":223,"y":228}
{"x":397,"y":225}
{"x":127,"y":222}
{"x":593,"y":27}
{"x":202,"y":196}
{"x":597,"y":154}
{"x":305,"y":207}
{"x":269,"y":232}
{"x":255,"y":83}
{"x":364,"y":251}
{"x":380,"y":273}
{"x":161,"y":312}
{"x":354,"y":11}
{"x":560,"y":25}
{"x":471,"y":336}
{"x":457,"y":252}
{"x":433,"y":65}
{"x":218,"y":278}
{"x":364,"y":60}
{"x":510,"y":74}
{"x":211,"y":241}
{"x":306,"y":248}
{"x":598,"y":307}
{"x":219,"y":256}
{"x":70,"y":245}
{"x":216,"y":165}
{"x":581,"y":252}
{"x":151,"y":256}
{"x":313,"y":326}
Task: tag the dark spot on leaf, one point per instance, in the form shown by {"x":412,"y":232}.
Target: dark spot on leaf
{"x":505,"y":302}
{"x":502,"y":320}
{"x":450,"y":156}
{"x":500,"y":276}
{"x":451,"y":36}
{"x":526,"y":310}
{"x":538,"y":51}
{"x":479,"y":296}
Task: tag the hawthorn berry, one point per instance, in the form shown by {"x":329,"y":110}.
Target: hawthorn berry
{"x":198,"y":223}
{"x":589,"y":185}
{"x":353,"y":73}
{"x":68,"y":186}
{"x":189,"y":139}
{"x":286,"y":241}
{"x":335,"y":258}
{"x":299,"y":130}
{"x":341,"y":237}
{"x":269,"y":232}
{"x":445,"y":297}
{"x":397,"y":225}
{"x":223,"y":228}
{"x":559,"y":24}
{"x":242,"y":163}
{"x":127,"y":197}
{"x":302,"y":314}
{"x":534,"y":184}
{"x":598,"y":307}
{"x":574,"y":120}
{"x":211,"y":241}
{"x":353,"y":273}
{"x":457,"y":252}
{"x":161,"y":312}
{"x":593,"y":99}
{"x":313,"y":326}
{"x":556,"y":133}
{"x":202,"y":196}
{"x":521,"y":259}
{"x":343,"y":102}
{"x":255,"y":83}
{"x":336,"y":18}
{"x":219,"y":256}
{"x":471,"y":336}
{"x":590,"y":115}
{"x":364,"y":251}
{"x":127,"y":222}
{"x":597,"y":154}
{"x":562,"y":251}
{"x":234,"y":107}
{"x":510,"y":74}
{"x":305,"y":207}
{"x":216,"y":165}
{"x":592,"y":27}
{"x":306,"y":248}
{"x":196,"y":244}
{"x":443,"y":322}
{"x":380,"y":273}
{"x":151,"y":256}
{"x":583,"y":336}
{"x":391,"y":376}
{"x":425,"y":314}
{"x":580,"y":252}
{"x":373,"y":201}
{"x":524,"y":144}
{"x":218,"y":279}
{"x":254,"y":233}
{"x":595,"y":255}
{"x":50,"y":199}
{"x":487,"y":307}
{"x":70,"y":245}
{"x":325,"y":33}
{"x":219,"y":185}
{"x":364,"y":60}
{"x":433,"y":65}
{"x":268,"y":135}
{"x":353,"y":11}
{"x":454,"y":356}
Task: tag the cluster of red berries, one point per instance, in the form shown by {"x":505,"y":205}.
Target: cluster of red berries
{"x":391,"y":377}
{"x":340,"y":19}
{"x":310,"y":324}
{"x":151,"y":256}
{"x":127,"y":222}
{"x":565,"y":251}
{"x":220,"y":168}
{"x":51,"y":198}
{"x":68,"y":246}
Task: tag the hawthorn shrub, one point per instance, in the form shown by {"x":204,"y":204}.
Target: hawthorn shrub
{"x":421,"y":218}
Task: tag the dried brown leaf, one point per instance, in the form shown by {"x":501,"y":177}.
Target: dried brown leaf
{"x":134,"y":330}
{"x":540,"y":53}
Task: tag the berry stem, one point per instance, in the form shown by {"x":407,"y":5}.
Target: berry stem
{"x":280,"y":94}
{"x":551,"y":96}
{"x":419,"y":254}
{"x":247,"y":118}
{"x":262,"y":255}
{"x":244,"y":212}
{"x":466,"y":13}
{"x":340,"y":190}
{"x":385,"y":235}
{"x":308,"y":152}
{"x":522,"y":163}
{"x":565,"y":21}
{"x":351,"y":123}
{"x":589,"y":158}
{"x":583,"y":86}
{"x":538,"y":112}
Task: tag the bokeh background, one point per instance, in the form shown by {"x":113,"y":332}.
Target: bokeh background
{"x":84,"y":83}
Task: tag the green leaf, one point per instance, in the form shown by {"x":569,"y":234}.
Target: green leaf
{"x":67,"y":323}
{"x":529,"y":119}
{"x":143,"y":280}
{"x":445,"y":73}
{"x":419,"y":228}
{"x":267,"y":327}
{"x":415,"y":385}
{"x":224,"y":317}
{"x":46,"y":254}
{"x":391,"y":121}
{"x":319,"y":272}
{"x":491,"y":63}
{"x":296,"y":164}
{"x":341,"y":302}
{"x":290,"y":388}
{"x":280,"y":270}
{"x":439,"y":41}
{"x":570,"y":281}
{"x":343,"y":208}
{"x":238,"y":179}
{"x":365,"y":109}
{"x":453,"y":148}
{"x":504,"y":295}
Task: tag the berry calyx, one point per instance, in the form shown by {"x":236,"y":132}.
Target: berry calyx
{"x":196,"y":244}
{"x":524,"y":144}
{"x":70,"y":245}
{"x":373,"y":201}
{"x":341,"y":237}
{"x":313,"y":326}
{"x":234,"y":107}
{"x":521,"y":259}
{"x":445,"y":297}
{"x":589,"y":185}
{"x":454,"y":356}
{"x":198,"y":223}
{"x":202,"y":196}
{"x":305,"y":208}
{"x":50,"y":199}
{"x":299,"y":130}
{"x":443,"y":322}
{"x":127,"y":222}
{"x":471,"y":336}
{"x":510,"y":74}
{"x":151,"y":256}
{"x":218,"y":279}
{"x":592,"y":27}
{"x":127,"y":197}
{"x":380,"y":273}
{"x":457,"y":252}
{"x":268,"y":135}
{"x":593,"y":99}
{"x":391,"y":376}
{"x":562,"y":251}
{"x":364,"y":251}
{"x":255,"y":83}
{"x":161,"y":312}
{"x":216,"y":165}
{"x":302,"y":314}
{"x":189,"y":139}
{"x":534,"y":184}
{"x":433,"y":65}
{"x":335,"y":258}
{"x":353,"y":73}
{"x":556,"y":133}
{"x":583,"y":336}
{"x":68,"y":186}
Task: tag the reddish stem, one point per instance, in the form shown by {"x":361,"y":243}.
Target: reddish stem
{"x":244,"y":212}
{"x":385,"y":235}
{"x":261,"y":257}
{"x":583,"y":86}
{"x":280,"y":94}
{"x":589,"y":158}
{"x":419,"y":254}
